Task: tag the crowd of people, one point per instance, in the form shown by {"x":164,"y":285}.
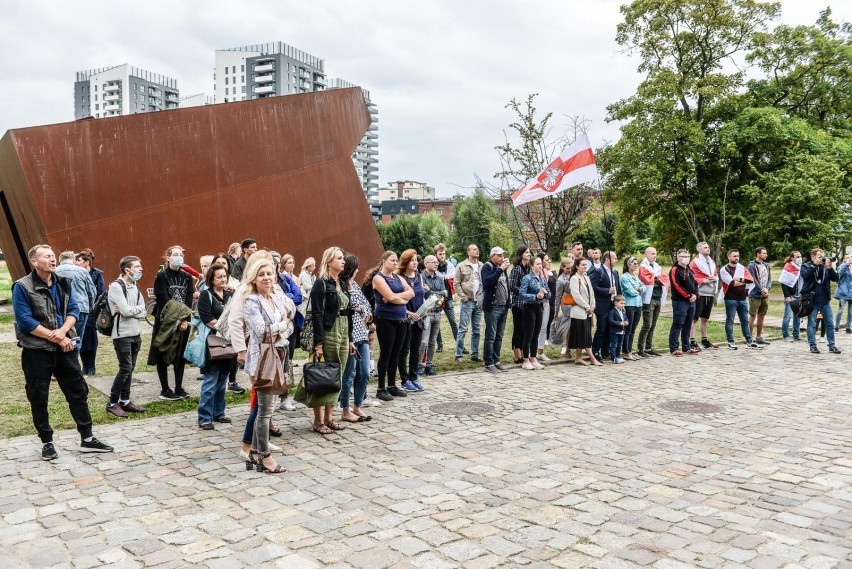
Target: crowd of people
{"x":252,"y":301}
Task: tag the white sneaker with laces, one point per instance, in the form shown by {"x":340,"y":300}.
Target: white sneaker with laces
{"x":288,"y":405}
{"x":274,"y":448}
{"x":542,"y":357}
{"x":370,"y":402}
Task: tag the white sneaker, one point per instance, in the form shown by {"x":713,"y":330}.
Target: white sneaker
{"x":563,"y":350}
{"x":274,"y":448}
{"x":288,"y":405}
{"x":542,"y":357}
{"x":370,"y":402}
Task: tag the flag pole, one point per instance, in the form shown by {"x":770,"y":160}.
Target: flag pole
{"x":603,"y":208}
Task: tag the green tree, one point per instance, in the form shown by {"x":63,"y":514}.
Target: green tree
{"x":471,"y":221}
{"x":666,"y":166}
{"x":418,"y":232}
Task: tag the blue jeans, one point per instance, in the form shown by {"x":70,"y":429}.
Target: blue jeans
{"x":248,"y":434}
{"x":825,"y":309}
{"x":80,"y":328}
{"x":451,"y":318}
{"x":847,"y":304}
{"x":495,"y":326}
{"x":429,"y":341}
{"x":682,"y":311}
{"x":615,"y":342}
{"x":357,"y":371}
{"x":471,"y":316}
{"x":785,"y":322}
{"x":740,"y":309}
{"x":211,"y":404}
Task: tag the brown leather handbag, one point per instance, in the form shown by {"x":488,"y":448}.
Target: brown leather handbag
{"x":271,"y":376}
{"x":219,"y":348}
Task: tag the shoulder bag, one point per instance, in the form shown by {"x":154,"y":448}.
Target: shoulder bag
{"x":270,"y":376}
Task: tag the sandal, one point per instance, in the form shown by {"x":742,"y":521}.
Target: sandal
{"x":263,"y":468}
{"x":322,"y":429}
{"x":335,"y":426}
{"x":251,"y":462}
{"x":581,"y":363}
{"x":357,"y":419}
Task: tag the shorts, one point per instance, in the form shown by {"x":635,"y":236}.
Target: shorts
{"x":758,"y":306}
{"x":703,"y":306}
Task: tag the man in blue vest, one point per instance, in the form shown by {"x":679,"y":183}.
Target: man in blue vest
{"x":45,"y":314}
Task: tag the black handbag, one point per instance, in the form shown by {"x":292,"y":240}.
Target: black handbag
{"x":321,"y":377}
{"x":805,"y":305}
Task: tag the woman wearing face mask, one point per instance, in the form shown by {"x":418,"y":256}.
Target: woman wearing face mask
{"x":171,"y":283}
{"x":128,"y":308}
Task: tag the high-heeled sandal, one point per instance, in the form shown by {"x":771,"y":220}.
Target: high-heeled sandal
{"x":251,"y":463}
{"x":262,"y":467}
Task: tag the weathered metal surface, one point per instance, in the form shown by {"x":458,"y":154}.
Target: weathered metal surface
{"x":278,"y":170}
{"x":461,"y":408}
{"x":695,"y":407}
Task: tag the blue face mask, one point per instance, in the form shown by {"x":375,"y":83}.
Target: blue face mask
{"x":136,"y":276}
{"x":176,"y":262}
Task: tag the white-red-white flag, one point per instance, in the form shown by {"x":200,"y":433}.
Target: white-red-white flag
{"x":575,"y":166}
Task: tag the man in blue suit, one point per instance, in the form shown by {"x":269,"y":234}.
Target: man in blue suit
{"x":607,"y":285}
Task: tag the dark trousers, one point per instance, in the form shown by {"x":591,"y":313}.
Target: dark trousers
{"x":126,"y":351}
{"x":532,"y":316}
{"x":179,"y":363}
{"x":293,"y":340}
{"x":600,"y":342}
{"x":634,"y":313}
{"x":495,"y":325}
{"x":409,"y":353}
{"x":391,"y":334}
{"x":39,"y":366}
{"x":682,"y":312}
{"x":517,"y":328}
{"x":650,"y":314}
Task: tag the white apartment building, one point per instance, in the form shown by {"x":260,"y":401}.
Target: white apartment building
{"x":198,"y":100}
{"x":406,"y":190}
{"x":265,"y":70}
{"x":122,"y":90}
{"x":366,"y":155}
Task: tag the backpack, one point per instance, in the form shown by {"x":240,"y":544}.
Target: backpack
{"x":105,"y":320}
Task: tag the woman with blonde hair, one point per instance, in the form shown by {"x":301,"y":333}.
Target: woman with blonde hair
{"x":307,"y":278}
{"x":332,"y":323}
{"x":266,"y":310}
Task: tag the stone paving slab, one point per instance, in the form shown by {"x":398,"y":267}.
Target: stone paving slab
{"x":573,"y":467}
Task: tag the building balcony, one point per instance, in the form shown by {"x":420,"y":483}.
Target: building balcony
{"x":112,"y":107}
{"x":265,"y":78}
{"x":303,"y":73}
{"x":172,"y":97}
{"x":320,"y":79}
{"x":265,"y":68}
{"x":305,"y":85}
{"x":110,"y":87}
{"x":113,"y":97}
{"x":265,"y":89}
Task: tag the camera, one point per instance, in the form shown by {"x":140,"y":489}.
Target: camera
{"x":833,"y":259}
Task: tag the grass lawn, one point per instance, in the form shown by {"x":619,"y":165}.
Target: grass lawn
{"x":5,"y":282}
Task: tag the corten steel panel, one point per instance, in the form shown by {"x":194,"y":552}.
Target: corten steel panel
{"x":278,"y":170}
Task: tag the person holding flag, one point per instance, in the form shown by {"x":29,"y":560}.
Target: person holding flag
{"x":704,"y":268}
{"x":653,"y":299}
{"x":735,"y":283}
{"x":791,"y":285}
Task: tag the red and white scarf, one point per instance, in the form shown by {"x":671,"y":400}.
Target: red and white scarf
{"x":727,"y":279}
{"x":647,"y":273}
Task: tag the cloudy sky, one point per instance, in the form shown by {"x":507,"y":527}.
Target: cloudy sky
{"x":441,"y":72}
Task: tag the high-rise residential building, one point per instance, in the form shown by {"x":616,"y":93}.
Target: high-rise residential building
{"x":366,"y":155}
{"x":122,"y":90}
{"x":198,"y":100}
{"x":406,"y":190}
{"x":265,"y":70}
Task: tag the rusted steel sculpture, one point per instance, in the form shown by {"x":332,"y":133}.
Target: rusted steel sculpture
{"x":277,"y":169}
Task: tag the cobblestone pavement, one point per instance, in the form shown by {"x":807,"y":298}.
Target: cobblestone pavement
{"x":572,"y":468}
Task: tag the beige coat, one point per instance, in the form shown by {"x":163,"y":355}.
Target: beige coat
{"x":584,"y":297}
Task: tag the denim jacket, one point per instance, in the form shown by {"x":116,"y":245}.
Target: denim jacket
{"x":530,"y":287}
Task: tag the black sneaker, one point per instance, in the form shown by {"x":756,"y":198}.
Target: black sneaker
{"x":653,"y":353}
{"x":48,"y":452}
{"x":693,"y":345}
{"x":476,"y":359}
{"x":181,"y":393}
{"x":708,"y":345}
{"x":732,"y":345}
{"x":94,"y":445}
{"x":834,"y":350}
{"x":168,"y":395}
{"x":396,"y":391}
{"x":762,"y":342}
{"x":501,"y":368}
{"x":236,"y":387}
{"x":754,"y":345}
{"x":814,"y":350}
{"x":384,"y":395}
{"x":465,"y":352}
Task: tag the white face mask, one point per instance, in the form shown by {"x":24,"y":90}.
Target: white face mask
{"x":136,"y":276}
{"x":176,"y":262}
